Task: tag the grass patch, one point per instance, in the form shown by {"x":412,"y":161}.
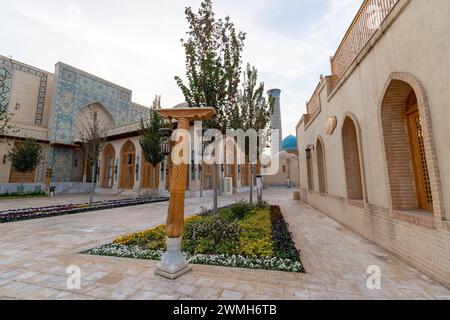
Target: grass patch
{"x":242,"y":235}
{"x":16,"y":195}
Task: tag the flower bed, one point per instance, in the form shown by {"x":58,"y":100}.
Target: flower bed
{"x":59,"y":210}
{"x":244,"y":236}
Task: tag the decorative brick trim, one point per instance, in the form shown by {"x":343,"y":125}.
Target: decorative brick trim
{"x":353,"y":118}
{"x":430,"y":149}
{"x":410,"y":237}
{"x":321,"y":165}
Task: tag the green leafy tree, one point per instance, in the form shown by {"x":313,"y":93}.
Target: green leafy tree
{"x":150,"y":138}
{"x":252,"y":112}
{"x":25,"y":157}
{"x":213,"y":66}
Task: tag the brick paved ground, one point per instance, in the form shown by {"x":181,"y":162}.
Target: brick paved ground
{"x":34,"y":256}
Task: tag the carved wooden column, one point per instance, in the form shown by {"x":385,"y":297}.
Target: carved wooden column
{"x":178,"y":181}
{"x":173,"y":264}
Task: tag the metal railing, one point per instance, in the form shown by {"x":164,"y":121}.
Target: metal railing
{"x":367,"y":21}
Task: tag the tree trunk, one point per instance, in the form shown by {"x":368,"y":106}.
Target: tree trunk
{"x":214,"y":172}
{"x":22,"y":179}
{"x":202,"y":176}
{"x":155,"y":171}
{"x":251,"y":183}
{"x":94,"y":183}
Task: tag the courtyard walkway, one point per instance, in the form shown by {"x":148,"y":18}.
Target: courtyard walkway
{"x":34,"y":256}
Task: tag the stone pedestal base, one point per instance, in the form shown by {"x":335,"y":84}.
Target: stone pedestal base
{"x":173,"y":264}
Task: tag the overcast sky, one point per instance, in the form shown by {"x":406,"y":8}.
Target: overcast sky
{"x":136,"y":43}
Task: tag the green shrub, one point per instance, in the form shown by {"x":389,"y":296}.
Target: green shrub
{"x":210,"y":234}
{"x":241,"y":208}
{"x":262,"y":205}
{"x":154,"y":239}
{"x":256,"y":236}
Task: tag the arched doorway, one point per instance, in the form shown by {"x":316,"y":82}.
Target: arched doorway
{"x":352,"y":160}
{"x":321,"y":167}
{"x":404,"y":142}
{"x":85,"y":119}
{"x":109,"y":156}
{"x":127,"y":165}
{"x":147,"y":174}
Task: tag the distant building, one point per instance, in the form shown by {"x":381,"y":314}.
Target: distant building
{"x":51,"y":108}
{"x":288,"y":171}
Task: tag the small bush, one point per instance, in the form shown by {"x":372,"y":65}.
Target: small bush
{"x":154,"y":239}
{"x":241,"y":208}
{"x":210,"y":233}
{"x":262,"y":205}
{"x":256,"y":238}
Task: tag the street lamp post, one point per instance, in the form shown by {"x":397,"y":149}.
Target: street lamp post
{"x":173,"y":264}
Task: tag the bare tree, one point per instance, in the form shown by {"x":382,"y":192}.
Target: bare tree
{"x":150,"y":138}
{"x":93,"y":135}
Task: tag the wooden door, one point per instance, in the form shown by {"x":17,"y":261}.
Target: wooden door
{"x":147,"y":175}
{"x":16,"y":177}
{"x":108,"y":167}
{"x":245,"y":175}
{"x":423,"y":186}
{"x":128,"y":165}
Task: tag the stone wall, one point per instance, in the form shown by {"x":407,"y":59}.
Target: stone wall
{"x":371,"y":94}
{"x":425,"y":248}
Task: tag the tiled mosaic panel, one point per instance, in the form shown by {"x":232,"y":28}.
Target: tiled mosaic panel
{"x":77,"y":89}
{"x":138,"y":112}
{"x":60,"y":160}
{"x":5,"y":87}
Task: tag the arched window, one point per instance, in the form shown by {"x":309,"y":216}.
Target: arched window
{"x":404,"y":143}
{"x":352,"y":160}
{"x":321,"y":167}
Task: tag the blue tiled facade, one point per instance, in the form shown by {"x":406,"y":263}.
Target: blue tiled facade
{"x":74,"y":90}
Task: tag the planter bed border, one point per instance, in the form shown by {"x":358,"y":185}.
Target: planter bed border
{"x":14,"y":215}
{"x":291,"y":264}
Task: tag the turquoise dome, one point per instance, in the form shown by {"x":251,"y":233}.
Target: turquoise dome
{"x":289,"y":144}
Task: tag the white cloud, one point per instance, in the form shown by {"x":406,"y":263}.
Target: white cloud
{"x":136,"y":43}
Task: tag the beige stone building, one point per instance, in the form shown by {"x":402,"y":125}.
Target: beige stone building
{"x":374,"y":142}
{"x":288,"y":169}
{"x":53,"y":108}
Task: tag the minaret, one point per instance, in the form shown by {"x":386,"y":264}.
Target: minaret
{"x":276,"y":117}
